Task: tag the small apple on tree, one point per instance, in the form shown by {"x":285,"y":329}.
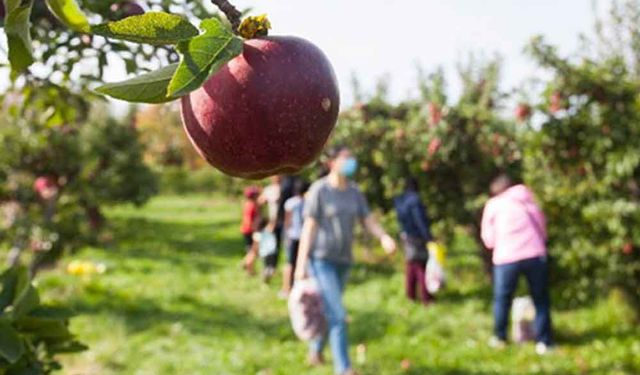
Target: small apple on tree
{"x":46,"y":187}
{"x":435,"y":113}
{"x":523,"y":112}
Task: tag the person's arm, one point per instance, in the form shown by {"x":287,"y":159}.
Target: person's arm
{"x":308,"y":236}
{"x":287,"y":219}
{"x":487,"y":228}
{"x":312,"y":216}
{"x":372,"y":226}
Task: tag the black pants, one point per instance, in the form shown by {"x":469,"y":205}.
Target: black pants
{"x":505,"y":281}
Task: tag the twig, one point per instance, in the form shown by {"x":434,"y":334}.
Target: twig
{"x":233,"y":15}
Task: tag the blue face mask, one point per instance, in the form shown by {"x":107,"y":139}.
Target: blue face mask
{"x":349,"y":167}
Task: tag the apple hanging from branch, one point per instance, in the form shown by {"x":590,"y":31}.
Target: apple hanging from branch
{"x":268,"y":111}
{"x":252,"y":105}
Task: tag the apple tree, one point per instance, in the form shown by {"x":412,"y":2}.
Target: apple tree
{"x":453,"y":148}
{"x":583,"y":160}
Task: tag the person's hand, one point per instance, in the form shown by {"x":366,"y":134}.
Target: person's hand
{"x":301,"y":273}
{"x":388,"y":244}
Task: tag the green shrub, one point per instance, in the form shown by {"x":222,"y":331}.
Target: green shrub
{"x":31,"y":334}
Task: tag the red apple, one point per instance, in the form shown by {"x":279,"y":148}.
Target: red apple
{"x":496,"y":151}
{"x":556,"y":103}
{"x":627,"y":249}
{"x":268,"y":111}
{"x":405,"y":364}
{"x":435,"y":113}
{"x":425,"y":166}
{"x":523,"y":112}
{"x":46,"y":187}
{"x":434,"y":146}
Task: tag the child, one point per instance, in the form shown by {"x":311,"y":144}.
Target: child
{"x":415,"y":236}
{"x":293,"y":219}
{"x":264,"y":245}
{"x":249,"y":223}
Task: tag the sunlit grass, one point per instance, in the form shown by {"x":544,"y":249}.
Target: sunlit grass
{"x":174,"y":301}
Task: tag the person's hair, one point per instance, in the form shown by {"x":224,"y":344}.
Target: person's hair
{"x":329,"y":154}
{"x":411,"y":184}
{"x":500,"y":184}
{"x":300,"y":187}
{"x":251,"y":192}
{"x":334,"y":151}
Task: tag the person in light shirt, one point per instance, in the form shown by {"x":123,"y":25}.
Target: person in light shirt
{"x":514,"y":229}
{"x":332,"y":207}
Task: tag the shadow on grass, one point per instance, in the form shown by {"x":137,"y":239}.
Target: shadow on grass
{"x":363,"y":272}
{"x":596,"y":333}
{"x":368,"y":326}
{"x":198,"y":318}
{"x":164,"y":240}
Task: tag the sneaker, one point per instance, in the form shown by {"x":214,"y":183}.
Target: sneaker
{"x":350,"y":372}
{"x":542,"y":348}
{"x":497,"y":343}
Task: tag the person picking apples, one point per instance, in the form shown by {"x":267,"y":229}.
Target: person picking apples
{"x":332,"y":207}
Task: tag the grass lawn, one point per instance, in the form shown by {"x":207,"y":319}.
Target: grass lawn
{"x":174,"y":301}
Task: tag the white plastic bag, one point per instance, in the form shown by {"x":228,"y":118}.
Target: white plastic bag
{"x":306,"y":310}
{"x":267,"y":243}
{"x":434,"y":273}
{"x":522,"y":315}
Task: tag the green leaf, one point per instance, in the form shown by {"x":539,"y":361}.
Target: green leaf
{"x":203,"y":56}
{"x":11,"y":347}
{"x":44,"y":328}
{"x":153,"y":28}
{"x":69,"y":13}
{"x":52,"y":312}
{"x":8,"y":282}
{"x":17,"y":29}
{"x":67,"y":347}
{"x":147,"y":88}
{"x":26,"y":297}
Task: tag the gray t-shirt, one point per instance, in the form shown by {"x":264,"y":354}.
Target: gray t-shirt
{"x":336,"y":212}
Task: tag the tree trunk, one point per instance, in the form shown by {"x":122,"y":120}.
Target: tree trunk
{"x":95,"y":217}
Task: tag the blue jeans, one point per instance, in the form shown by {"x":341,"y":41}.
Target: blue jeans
{"x":331,"y":278}
{"x":505,"y":281}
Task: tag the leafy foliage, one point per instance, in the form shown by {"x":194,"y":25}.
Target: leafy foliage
{"x":453,"y":150}
{"x":92,"y":163}
{"x":31,"y":334}
{"x":72,"y":34}
{"x":584,"y":163}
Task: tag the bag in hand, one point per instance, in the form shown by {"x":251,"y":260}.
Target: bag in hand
{"x":306,"y":310}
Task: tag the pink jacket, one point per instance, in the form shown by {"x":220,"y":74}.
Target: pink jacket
{"x":514,"y":226}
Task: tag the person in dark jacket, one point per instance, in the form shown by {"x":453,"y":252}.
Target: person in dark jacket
{"x":416,"y":233}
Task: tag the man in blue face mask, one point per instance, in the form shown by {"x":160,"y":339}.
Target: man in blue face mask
{"x":349,"y":167}
{"x":332,"y":207}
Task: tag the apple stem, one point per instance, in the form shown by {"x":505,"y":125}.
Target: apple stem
{"x":233,"y":14}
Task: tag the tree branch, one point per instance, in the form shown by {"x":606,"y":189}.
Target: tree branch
{"x":233,"y":15}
